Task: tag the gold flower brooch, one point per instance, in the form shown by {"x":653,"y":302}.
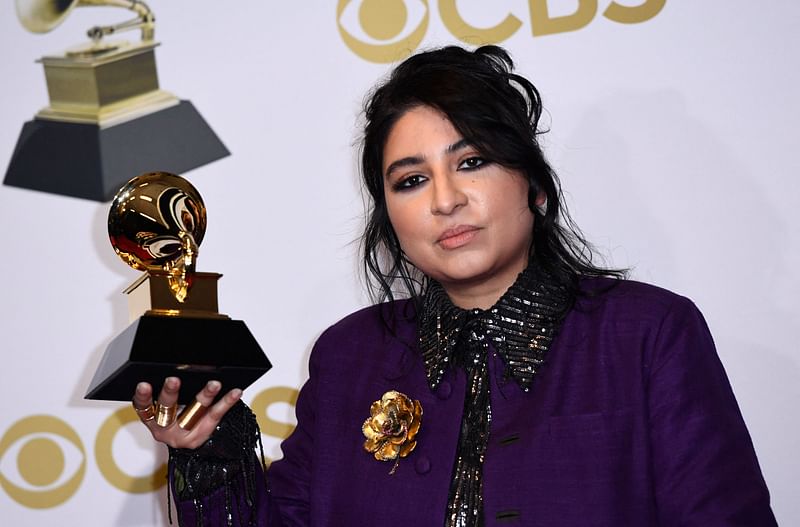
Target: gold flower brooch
{"x":392,"y":427}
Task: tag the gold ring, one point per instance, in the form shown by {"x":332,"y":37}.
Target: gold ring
{"x":146,"y":414}
{"x":165,"y":415}
{"x":191,"y":415}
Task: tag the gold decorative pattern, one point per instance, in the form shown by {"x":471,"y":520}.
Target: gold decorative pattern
{"x":392,"y":427}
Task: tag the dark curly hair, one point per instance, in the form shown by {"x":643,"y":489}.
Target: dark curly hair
{"x":495,"y":110}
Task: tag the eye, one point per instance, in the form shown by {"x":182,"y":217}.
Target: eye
{"x":42,"y":461}
{"x":471,"y":163}
{"x":380,"y":22}
{"x":408,"y":182}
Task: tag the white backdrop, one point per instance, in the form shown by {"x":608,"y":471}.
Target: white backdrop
{"x":675,"y":139}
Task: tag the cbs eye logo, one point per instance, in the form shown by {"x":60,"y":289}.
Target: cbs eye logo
{"x":382,"y":30}
{"x":43,"y":460}
{"x":44,"y":475}
{"x":390,"y":30}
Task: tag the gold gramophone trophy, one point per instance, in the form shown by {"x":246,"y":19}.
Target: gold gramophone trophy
{"x":107,"y":119}
{"x":100,"y":82}
{"x":155,"y":224}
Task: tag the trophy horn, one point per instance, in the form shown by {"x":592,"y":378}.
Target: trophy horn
{"x":41,"y":16}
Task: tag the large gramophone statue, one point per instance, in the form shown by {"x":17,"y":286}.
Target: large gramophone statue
{"x":156,"y":223}
{"x":108,"y":120}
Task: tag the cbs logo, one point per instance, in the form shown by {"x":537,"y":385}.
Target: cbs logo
{"x":389,"y":30}
{"x":43,"y":460}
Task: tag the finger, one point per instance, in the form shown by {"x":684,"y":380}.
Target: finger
{"x":143,"y":396}
{"x":167,"y":407}
{"x":194,"y":411}
{"x":221,"y":407}
{"x":169,"y":392}
{"x":143,"y":403}
{"x":202,"y":431}
{"x":209,"y":393}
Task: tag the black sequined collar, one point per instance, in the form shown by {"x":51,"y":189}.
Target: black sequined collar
{"x":521,"y":325}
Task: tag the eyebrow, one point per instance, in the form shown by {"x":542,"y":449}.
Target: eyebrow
{"x":458,"y":145}
{"x":417,"y":160}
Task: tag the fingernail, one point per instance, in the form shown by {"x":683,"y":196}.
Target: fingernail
{"x":214,"y":385}
{"x":236,"y":393}
{"x":171,"y":382}
{"x":141,"y":388}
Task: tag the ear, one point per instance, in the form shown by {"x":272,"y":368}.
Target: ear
{"x":540,"y":200}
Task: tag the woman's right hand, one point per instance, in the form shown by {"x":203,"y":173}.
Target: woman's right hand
{"x":172,"y":434}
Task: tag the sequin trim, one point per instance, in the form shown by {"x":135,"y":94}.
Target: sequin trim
{"x":521,"y":326}
{"x":226,"y":461}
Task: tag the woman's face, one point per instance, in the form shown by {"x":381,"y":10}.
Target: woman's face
{"x":461,"y":219}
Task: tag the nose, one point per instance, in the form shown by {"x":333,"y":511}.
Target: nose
{"x":447,"y":195}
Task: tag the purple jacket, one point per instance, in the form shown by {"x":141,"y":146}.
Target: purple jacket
{"x":632,"y":422}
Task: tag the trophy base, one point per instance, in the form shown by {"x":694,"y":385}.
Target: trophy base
{"x":195,"y":350}
{"x":91,"y":162}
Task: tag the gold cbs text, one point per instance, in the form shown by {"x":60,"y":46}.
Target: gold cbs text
{"x":41,"y":463}
{"x":383,"y":22}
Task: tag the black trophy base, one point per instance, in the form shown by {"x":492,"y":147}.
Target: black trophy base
{"x":196,"y":350}
{"x":86,"y":161}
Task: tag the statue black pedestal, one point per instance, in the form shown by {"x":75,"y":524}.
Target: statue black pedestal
{"x":87,"y":161}
{"x":195,"y":349}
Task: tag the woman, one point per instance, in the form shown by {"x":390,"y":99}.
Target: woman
{"x":518,"y":382}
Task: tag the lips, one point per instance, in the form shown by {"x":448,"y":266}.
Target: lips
{"x":457,"y":236}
